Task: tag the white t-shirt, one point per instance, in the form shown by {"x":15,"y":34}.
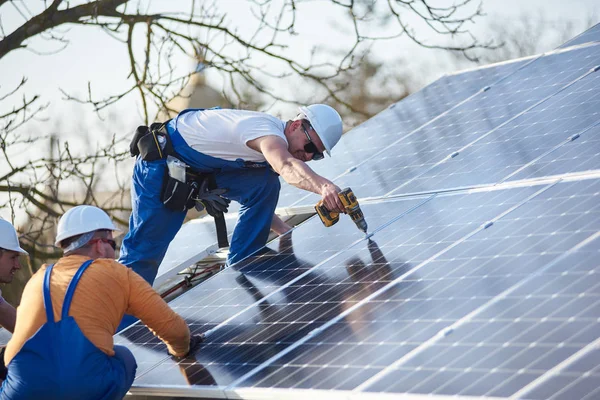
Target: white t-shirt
{"x":225,"y":133}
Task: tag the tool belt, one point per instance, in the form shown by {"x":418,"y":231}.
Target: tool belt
{"x":181,"y":184}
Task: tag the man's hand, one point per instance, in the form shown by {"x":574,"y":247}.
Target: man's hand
{"x":331,"y":200}
{"x":195,"y":342}
{"x":212,"y":200}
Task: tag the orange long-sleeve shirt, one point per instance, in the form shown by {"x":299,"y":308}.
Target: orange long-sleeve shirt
{"x":105,"y":292}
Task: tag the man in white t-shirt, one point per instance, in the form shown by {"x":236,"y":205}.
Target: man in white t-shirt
{"x":246,"y":152}
{"x":10,"y":250}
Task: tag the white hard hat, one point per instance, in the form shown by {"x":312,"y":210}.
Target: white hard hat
{"x":8,"y":237}
{"x":82,"y":219}
{"x":326,"y":122}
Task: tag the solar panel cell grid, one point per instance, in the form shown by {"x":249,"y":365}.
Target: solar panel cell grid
{"x":520,"y":141}
{"x":537,"y":326}
{"x":581,"y":154}
{"x":228,"y":293}
{"x":437,"y":301}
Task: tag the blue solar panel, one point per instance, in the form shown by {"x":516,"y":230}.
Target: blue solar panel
{"x":513,"y":276}
{"x":226,"y":295}
{"x":591,"y":35}
{"x":498,"y":154}
{"x":515,"y":97}
{"x":579,"y":153}
{"x":576,"y":380}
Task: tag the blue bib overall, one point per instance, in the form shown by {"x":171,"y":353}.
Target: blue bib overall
{"x":59,"y":362}
{"x":152,"y":226}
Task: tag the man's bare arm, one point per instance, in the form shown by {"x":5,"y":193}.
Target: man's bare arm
{"x":8,"y":316}
{"x":296,"y":172}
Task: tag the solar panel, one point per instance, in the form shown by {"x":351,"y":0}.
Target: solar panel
{"x":226,"y":295}
{"x":480,"y":277}
{"x":591,"y":35}
{"x":579,"y":152}
{"x":494,"y":156}
{"x":463,"y":276}
{"x":522,"y":330}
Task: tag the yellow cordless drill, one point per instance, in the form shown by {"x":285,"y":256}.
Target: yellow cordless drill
{"x":352,"y":208}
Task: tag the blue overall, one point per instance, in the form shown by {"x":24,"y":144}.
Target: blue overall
{"x":59,"y":362}
{"x":152,"y":226}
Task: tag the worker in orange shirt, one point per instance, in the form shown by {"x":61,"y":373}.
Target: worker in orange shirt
{"x":62,"y":346}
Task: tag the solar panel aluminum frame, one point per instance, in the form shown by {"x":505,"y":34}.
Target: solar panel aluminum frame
{"x":207,"y":392}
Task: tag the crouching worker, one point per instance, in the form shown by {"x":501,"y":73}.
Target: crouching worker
{"x":62,"y":346}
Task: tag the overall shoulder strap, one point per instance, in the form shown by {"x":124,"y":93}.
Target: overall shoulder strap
{"x":46,"y":292}
{"x":71,"y":288}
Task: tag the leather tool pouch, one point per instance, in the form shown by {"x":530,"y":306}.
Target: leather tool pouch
{"x":177,"y":195}
{"x":149,"y":147}
{"x":151,"y":143}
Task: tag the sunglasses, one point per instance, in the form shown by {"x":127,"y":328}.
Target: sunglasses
{"x":112,"y":243}
{"x":311,"y":148}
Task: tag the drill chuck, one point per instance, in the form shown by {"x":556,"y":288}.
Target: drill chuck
{"x":362,"y":224}
{"x":357,"y":216}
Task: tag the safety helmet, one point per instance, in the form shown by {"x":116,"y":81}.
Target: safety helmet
{"x":326,"y":122}
{"x":82,"y":219}
{"x":8,"y":237}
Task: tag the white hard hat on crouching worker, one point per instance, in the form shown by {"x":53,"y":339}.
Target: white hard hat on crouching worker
{"x":8,"y":237}
{"x":82,"y":219}
{"x":326,"y":121}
